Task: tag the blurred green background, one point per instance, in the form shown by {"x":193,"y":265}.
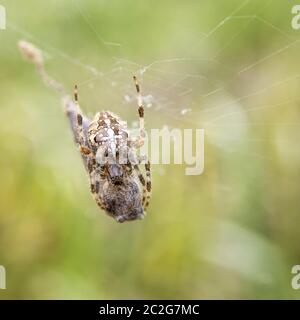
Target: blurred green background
{"x":230,"y":67}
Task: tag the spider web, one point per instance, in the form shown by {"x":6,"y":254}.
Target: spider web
{"x":232,"y":99}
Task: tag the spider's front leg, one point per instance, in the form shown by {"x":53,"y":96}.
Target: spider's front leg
{"x":79,"y":125}
{"x":83,"y":142}
{"x":139,"y":141}
{"x":81,"y":132}
{"x":71,"y":111}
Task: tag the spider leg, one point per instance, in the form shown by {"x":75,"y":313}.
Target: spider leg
{"x":82,"y":139}
{"x":71,"y":109}
{"x":140,"y":176}
{"x":148,"y":184}
{"x":145,"y":182}
{"x":140,"y":140}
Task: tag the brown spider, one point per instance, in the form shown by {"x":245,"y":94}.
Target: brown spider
{"x":118,"y":187}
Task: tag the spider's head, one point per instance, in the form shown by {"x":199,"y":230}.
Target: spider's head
{"x":122,"y":196}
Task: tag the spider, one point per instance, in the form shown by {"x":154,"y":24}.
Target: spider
{"x":118,"y":187}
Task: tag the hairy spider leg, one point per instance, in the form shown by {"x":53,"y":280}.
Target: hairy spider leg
{"x":141,"y":110}
{"x":145,"y":182}
{"x":82,"y":141}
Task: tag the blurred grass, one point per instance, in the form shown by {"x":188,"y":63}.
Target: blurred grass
{"x":232,"y":232}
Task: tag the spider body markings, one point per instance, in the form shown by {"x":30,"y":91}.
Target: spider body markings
{"x":118,"y":187}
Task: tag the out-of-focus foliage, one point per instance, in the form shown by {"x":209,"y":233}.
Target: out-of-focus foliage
{"x":232,"y":232}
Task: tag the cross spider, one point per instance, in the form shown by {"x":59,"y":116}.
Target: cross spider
{"x":118,"y":187}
